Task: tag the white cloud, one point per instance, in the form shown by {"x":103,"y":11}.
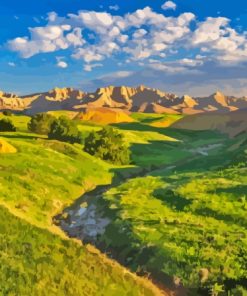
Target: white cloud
{"x":11,"y":64}
{"x":139,"y":33}
{"x":89,"y":67}
{"x":92,"y":36}
{"x":190,"y":62}
{"x":215,"y":36}
{"x":114,"y":7}
{"x":43,"y":39}
{"x":123,"y":73}
{"x":62,"y":64}
{"x":114,"y":76}
{"x":75,"y":37}
{"x":169,"y":5}
{"x":52,"y":16}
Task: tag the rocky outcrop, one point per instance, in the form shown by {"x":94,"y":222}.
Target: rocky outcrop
{"x":133,"y":99}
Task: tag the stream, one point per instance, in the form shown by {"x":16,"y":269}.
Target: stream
{"x":85,"y":221}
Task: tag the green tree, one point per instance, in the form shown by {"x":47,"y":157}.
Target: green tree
{"x":7,"y":113}
{"x":6,"y":125}
{"x":41,"y":123}
{"x":66,"y":130}
{"x":108,"y":144}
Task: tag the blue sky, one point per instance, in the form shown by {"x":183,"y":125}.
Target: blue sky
{"x":182,"y":46}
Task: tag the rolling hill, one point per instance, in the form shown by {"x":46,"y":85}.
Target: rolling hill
{"x":231,"y":123}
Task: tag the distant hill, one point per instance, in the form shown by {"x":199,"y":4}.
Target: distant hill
{"x":103,"y":115}
{"x":231,"y":123}
{"x":132,"y":99}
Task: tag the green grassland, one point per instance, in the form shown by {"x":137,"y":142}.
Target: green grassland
{"x":185,"y":212}
{"x":20,"y":121}
{"x":186,"y":219}
{"x":34,"y":261}
{"x":36,"y":183}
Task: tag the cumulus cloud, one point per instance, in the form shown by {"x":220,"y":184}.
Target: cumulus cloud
{"x":137,"y":37}
{"x":169,"y":5}
{"x":216,"y":37}
{"x":43,"y":40}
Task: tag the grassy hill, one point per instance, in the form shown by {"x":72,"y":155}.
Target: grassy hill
{"x":232,"y":123}
{"x":37,"y":182}
{"x":36,"y":262}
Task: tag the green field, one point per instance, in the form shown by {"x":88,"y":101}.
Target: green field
{"x":36,"y":183}
{"x":178,"y":211}
{"x":183,"y":221}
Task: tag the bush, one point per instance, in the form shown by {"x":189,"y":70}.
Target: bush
{"x":7,"y":113}
{"x":6,"y":125}
{"x":66,"y":130}
{"x":41,"y":123}
{"x":108,"y":144}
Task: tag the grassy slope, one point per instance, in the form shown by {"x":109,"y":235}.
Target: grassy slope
{"x":36,"y":183}
{"x":185,"y":219}
{"x":172,"y":204}
{"x":36,"y":262}
{"x":44,"y":176}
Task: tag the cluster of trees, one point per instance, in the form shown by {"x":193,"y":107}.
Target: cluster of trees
{"x":108,"y":144}
{"x":64,"y":129}
{"x":41,"y":123}
{"x":6,"y":125}
{"x":61,"y":128}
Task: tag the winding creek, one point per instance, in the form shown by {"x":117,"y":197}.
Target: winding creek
{"x":86,"y":221}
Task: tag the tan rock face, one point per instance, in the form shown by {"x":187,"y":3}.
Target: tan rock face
{"x":134,"y":99}
{"x":220,"y":98}
{"x":189,"y":101}
{"x":61,"y":94}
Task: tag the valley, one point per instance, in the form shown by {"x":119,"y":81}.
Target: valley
{"x":171,"y":222}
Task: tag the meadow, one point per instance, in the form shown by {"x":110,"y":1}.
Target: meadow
{"x":36,"y":258}
{"x":178,"y":212}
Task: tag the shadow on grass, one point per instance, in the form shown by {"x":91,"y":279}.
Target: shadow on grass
{"x":228,"y":218}
{"x":179,"y":134}
{"x":140,"y":257}
{"x":150,"y":120}
{"x":171,"y":199}
{"x":21,"y":136}
{"x":237,"y":190}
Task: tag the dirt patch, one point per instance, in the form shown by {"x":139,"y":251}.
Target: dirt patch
{"x":5,"y":147}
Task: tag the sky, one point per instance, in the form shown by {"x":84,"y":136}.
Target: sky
{"x":190,"y":47}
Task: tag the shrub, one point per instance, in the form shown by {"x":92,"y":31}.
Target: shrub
{"x":41,"y":123}
{"x":7,"y":113}
{"x":108,"y":144}
{"x":66,"y":130}
{"x":6,"y":125}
